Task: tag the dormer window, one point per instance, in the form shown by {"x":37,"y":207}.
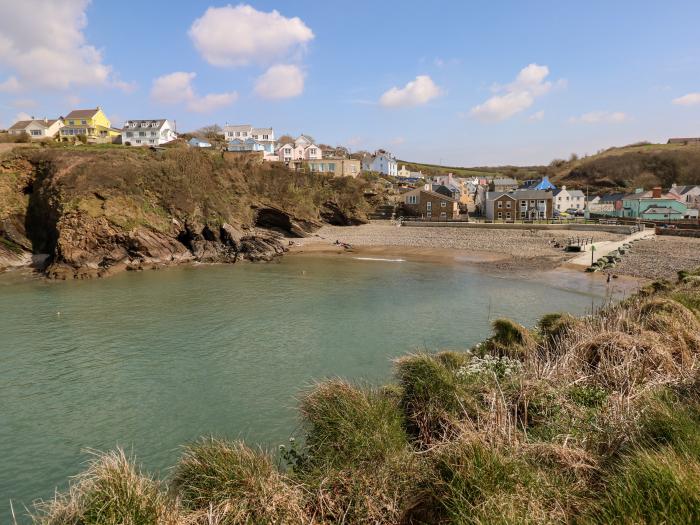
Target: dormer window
{"x":83,"y":122}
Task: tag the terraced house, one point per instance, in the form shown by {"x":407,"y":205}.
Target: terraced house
{"x":91,"y":123}
{"x":429,"y":205}
{"x":148,"y":132}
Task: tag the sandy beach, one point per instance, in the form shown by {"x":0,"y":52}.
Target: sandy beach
{"x":514,"y":251}
{"x":499,"y":249}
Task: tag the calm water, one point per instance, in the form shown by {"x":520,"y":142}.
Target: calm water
{"x":152,"y":360}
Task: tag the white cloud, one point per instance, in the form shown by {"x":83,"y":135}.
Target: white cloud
{"x":280,"y":81}
{"x":691,"y":99}
{"x":419,"y":91}
{"x":596,"y":117}
{"x":43,"y":42}
{"x":176,"y":88}
{"x":11,"y":85}
{"x":237,"y":36}
{"x":518,"y":96}
{"x":537,"y":116}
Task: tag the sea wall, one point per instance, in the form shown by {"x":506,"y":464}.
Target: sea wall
{"x":610,"y":228}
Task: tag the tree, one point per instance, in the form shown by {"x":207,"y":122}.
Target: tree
{"x":211,"y":132}
{"x":286,"y":139}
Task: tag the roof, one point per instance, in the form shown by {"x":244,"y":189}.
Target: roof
{"x":262,"y":131}
{"x":505,"y":182}
{"x":145,"y":122}
{"x":543,"y":184}
{"x":82,"y":113}
{"x":432,"y":194}
{"x":662,"y":209}
{"x":21,"y":124}
{"x":239,"y":127}
{"x":573,"y":193}
{"x":611,"y":197}
{"x":682,"y":190}
{"x":519,"y":194}
{"x":195,"y":140}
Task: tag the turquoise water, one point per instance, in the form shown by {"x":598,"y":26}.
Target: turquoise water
{"x":149,"y":361}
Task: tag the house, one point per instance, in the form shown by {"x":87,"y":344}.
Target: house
{"x":606,"y":204}
{"x":688,"y":195}
{"x":340,"y":167}
{"x":247,"y":145}
{"x":689,"y":140}
{"x":406,"y":174}
{"x":503,"y":184}
{"x":640,"y":205}
{"x":541,"y":184}
{"x":519,"y":204}
{"x":381,"y":162}
{"x":198,"y":143}
{"x":429,"y":205}
{"x":90,"y":123}
{"x":568,"y":199}
{"x":37,"y":128}
{"x":243,"y":132}
{"x":152,"y":132}
{"x":302,"y":149}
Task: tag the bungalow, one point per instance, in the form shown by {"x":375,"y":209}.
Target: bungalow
{"x":655,"y":207}
{"x":429,"y":205}
{"x":37,"y":128}
{"x":338,"y":167}
{"x":262,"y":136}
{"x":148,"y":132}
{"x":90,"y":123}
{"x":198,"y":143}
{"x":247,"y":145}
{"x":382,"y":162}
{"x":519,"y":204}
{"x":567,"y":199}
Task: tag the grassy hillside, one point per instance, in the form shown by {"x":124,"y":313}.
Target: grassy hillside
{"x":579,"y":420}
{"x":625,"y":168}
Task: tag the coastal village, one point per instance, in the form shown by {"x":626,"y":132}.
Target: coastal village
{"x":413,"y":195}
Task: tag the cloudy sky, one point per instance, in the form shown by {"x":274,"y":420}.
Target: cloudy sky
{"x":459,"y":83}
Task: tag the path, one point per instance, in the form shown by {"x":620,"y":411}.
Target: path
{"x":603,"y":248}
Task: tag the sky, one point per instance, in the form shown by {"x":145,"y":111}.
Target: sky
{"x":468,"y":83}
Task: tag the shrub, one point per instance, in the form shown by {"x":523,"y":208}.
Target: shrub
{"x":348,"y":425}
{"x":434,"y":397}
{"x":235,"y":484}
{"x":510,"y":339}
{"x":112,"y":491}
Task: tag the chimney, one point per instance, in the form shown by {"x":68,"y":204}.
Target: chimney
{"x":563,"y":188}
{"x":32,"y":117}
{"x":656,"y":192}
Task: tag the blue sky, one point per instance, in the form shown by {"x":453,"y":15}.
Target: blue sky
{"x":460,"y":83}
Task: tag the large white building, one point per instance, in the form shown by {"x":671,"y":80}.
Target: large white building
{"x":148,"y":132}
{"x":37,"y":128}
{"x":382,"y":162}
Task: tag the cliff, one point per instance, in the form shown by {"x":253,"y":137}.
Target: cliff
{"x":90,"y":211}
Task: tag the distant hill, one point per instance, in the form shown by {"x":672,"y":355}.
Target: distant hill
{"x":619,"y":168}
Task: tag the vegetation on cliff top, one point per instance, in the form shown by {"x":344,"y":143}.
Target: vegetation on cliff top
{"x":587,"y":420}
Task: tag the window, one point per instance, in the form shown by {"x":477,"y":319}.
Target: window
{"x":312,"y":151}
{"x":152,"y":141}
{"x":36,"y":132}
{"x":522,"y":214}
{"x":266,"y":137}
{"x":500,"y":204}
{"x":443,"y":215}
{"x":508,"y":205}
{"x":508,"y":215}
{"x":443,"y":204}
{"x":238,"y":133}
{"x":429,"y":205}
{"x":83,"y":122}
{"x":138,"y":142}
{"x":500,"y":214}
{"x":129,"y":133}
{"x":532,"y":203}
{"x":523,"y":205}
{"x":142,"y":133}
{"x":71,"y":122}
{"x":331,"y":167}
{"x":412,"y":199}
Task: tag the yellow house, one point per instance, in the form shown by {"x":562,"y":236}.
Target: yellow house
{"x":92,"y":123}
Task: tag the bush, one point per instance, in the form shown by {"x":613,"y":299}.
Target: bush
{"x":112,"y":491}
{"x":235,"y":484}
{"x":510,"y":339}
{"x":348,"y":425}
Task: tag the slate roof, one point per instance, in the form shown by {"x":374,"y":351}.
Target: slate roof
{"x":21,"y":124}
{"x":662,"y":209}
{"x":82,"y":113}
{"x":505,"y":182}
{"x":144,"y":123}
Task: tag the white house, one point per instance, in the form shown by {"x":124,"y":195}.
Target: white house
{"x":198,"y":143}
{"x":567,"y":199}
{"x":688,"y":195}
{"x":263,"y":136}
{"x":148,"y":132}
{"x":382,"y":162}
{"x":37,"y":128}
{"x":302,"y":149}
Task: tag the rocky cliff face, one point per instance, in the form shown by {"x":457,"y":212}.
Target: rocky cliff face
{"x":85,"y":214}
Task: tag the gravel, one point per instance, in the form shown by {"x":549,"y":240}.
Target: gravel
{"x":660,"y":257}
